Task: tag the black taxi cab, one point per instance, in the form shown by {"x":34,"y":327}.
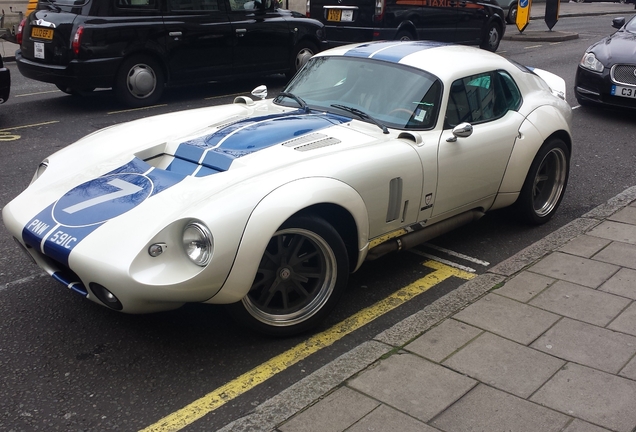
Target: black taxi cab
{"x":137,"y":47}
{"x":471,"y":22}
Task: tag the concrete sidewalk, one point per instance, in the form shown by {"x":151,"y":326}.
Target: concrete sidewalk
{"x":544,"y":341}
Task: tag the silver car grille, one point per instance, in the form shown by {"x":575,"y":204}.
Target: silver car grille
{"x":623,"y":74}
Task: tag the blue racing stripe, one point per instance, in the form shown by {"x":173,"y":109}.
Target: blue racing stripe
{"x":61,"y":226}
{"x":391,"y":51}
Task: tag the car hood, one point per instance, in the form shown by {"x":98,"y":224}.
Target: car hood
{"x":617,"y":48}
{"x":125,"y":173}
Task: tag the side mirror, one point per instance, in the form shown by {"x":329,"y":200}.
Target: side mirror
{"x":462,"y":130}
{"x":618,"y":22}
{"x":260,"y":92}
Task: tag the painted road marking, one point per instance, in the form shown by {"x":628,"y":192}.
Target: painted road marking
{"x":458,"y":255}
{"x":28,"y":126}
{"x":240,"y":385}
{"x":443,"y":261}
{"x":136,"y":109}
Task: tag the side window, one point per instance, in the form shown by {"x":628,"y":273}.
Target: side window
{"x":477,"y":99}
{"x":136,"y":4}
{"x":194,"y":5}
{"x":510,"y":93}
{"x":238,"y":5}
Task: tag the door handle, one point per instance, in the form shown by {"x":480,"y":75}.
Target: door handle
{"x":175,"y":34}
{"x":241,"y":32}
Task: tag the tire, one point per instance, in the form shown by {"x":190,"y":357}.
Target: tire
{"x":75,"y":91}
{"x":139,"y":82}
{"x":303,"y":51}
{"x":545,"y":183}
{"x":492,"y":37}
{"x":280,"y":303}
{"x":404,"y":35}
{"x":512,"y":14}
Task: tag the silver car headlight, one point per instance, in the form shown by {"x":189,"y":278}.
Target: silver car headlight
{"x":197,"y":243}
{"x":589,"y":61}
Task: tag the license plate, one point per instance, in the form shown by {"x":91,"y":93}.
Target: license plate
{"x":339,"y":15}
{"x":42,"y":33}
{"x":628,"y":92}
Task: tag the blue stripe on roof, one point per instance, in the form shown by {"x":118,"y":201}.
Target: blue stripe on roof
{"x":392,"y":51}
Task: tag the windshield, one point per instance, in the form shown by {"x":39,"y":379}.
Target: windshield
{"x":397,"y":96}
{"x":631,"y":26}
{"x":64,"y":2}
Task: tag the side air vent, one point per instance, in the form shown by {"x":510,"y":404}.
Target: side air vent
{"x":395,"y":199}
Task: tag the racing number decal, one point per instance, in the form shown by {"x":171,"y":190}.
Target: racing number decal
{"x":101,"y":199}
{"x":124,"y":187}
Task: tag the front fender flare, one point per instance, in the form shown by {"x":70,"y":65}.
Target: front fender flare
{"x":272,"y":211}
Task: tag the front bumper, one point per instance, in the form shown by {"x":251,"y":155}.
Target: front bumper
{"x":99,"y":73}
{"x":5,"y":84}
{"x":596,"y":88}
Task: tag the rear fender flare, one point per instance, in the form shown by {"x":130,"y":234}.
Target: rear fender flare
{"x":272,"y":211}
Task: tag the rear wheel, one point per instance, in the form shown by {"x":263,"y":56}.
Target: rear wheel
{"x":404,"y":35}
{"x":139,"y":81}
{"x":512,"y":14}
{"x":303,"y":51}
{"x":300,"y":278}
{"x":492,"y":37}
{"x":545,"y":183}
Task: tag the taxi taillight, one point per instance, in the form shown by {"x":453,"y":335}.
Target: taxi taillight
{"x":379,"y":10}
{"x":18,"y":33}
{"x":307,"y":6}
{"x":77,"y":40}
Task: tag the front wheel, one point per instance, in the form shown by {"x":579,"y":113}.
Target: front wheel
{"x":512,"y":14}
{"x":545,"y":183}
{"x":303,"y":51}
{"x":139,"y":81}
{"x":492,"y":37}
{"x":300,"y":278}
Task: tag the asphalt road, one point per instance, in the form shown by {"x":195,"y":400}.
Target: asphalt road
{"x":68,"y":364}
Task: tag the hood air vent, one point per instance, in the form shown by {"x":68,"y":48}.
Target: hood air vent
{"x":311,"y":142}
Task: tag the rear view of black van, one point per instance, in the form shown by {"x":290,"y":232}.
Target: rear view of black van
{"x":471,"y":22}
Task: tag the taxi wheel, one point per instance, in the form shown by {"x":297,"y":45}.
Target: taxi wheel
{"x":404,"y":36}
{"x":300,"y":278}
{"x":512,"y":14}
{"x":492,"y":37}
{"x":303,"y":51}
{"x":139,"y":81}
{"x":545,"y":183}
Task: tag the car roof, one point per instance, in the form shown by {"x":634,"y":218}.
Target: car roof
{"x":440,"y":59}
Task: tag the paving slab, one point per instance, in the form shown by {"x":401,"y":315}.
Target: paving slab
{"x":622,"y":254}
{"x":581,"y":426}
{"x":588,"y":345}
{"x":629,"y":371}
{"x":335,"y":413}
{"x":387,"y":419}
{"x":574,"y":269}
{"x":591,"y":395}
{"x":626,"y":321}
{"x":626,"y":215}
{"x":505,"y":365}
{"x":524,"y":286}
{"x":584,"y":246}
{"x":622,"y":283}
{"x":487,"y":409}
{"x":508,"y":318}
{"x":581,"y":303}
{"x":615,"y":231}
{"x":413,"y":385}
{"x":443,"y":340}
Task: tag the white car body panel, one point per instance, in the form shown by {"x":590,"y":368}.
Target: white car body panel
{"x":180,"y":169}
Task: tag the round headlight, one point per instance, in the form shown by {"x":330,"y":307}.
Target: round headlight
{"x":197,"y":243}
{"x":589,"y":61}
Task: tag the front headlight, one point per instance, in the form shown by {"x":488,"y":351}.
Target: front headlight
{"x":197,"y":243}
{"x":589,"y":61}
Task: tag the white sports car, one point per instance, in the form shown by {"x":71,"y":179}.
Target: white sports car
{"x":267,"y":205}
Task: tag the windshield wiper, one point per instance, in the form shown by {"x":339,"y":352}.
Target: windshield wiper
{"x":362,"y":115}
{"x":299,"y":101}
{"x":52,"y":6}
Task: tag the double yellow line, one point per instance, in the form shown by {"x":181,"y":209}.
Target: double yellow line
{"x":240,"y":385}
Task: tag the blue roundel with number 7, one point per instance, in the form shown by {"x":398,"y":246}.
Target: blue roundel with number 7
{"x":101,"y":199}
